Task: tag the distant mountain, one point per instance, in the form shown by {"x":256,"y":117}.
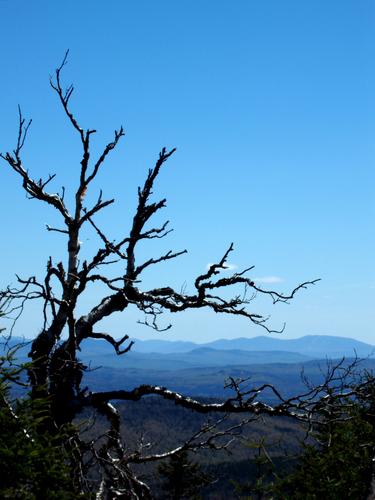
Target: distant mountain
{"x":177,"y":355}
{"x":210,"y":381}
{"x":203,"y":369}
{"x":202,"y":357}
{"x":164,"y":346}
{"x":313,"y":346}
{"x":316,"y":346}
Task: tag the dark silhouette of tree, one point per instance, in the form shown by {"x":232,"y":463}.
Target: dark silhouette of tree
{"x":34,"y":464}
{"x":336,"y":460}
{"x":182,"y":477}
{"x":257,"y":486}
{"x":55,"y":372}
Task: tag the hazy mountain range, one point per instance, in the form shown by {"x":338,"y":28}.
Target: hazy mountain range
{"x":201,"y":369}
{"x":177,"y":355}
{"x":309,"y":345}
{"x":211,"y":381}
{"x":174,"y":355}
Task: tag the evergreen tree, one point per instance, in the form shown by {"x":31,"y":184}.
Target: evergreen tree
{"x":182,"y":478}
{"x":340,"y":466}
{"x":339,"y":462}
{"x":258,"y":484}
{"x":34,"y":465}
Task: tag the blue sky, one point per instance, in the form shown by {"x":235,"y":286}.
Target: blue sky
{"x":271,"y":106}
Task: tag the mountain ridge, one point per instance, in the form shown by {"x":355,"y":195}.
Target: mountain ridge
{"x":176,"y":355}
{"x":318,"y":346}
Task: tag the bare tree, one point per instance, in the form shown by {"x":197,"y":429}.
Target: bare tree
{"x":56,"y":370}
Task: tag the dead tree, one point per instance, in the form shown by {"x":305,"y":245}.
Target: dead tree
{"x":56,"y":370}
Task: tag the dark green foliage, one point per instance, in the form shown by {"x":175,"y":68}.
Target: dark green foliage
{"x":336,"y":463}
{"x":34,"y":464}
{"x":338,"y":468}
{"x":182,"y":478}
{"x":259,"y":482}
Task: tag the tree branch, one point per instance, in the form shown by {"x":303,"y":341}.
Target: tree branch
{"x":115,"y":343}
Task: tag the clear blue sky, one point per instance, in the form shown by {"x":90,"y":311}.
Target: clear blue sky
{"x":271,"y":105}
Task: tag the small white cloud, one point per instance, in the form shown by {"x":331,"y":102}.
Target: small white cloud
{"x":228,"y":266}
{"x":268,"y":279}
